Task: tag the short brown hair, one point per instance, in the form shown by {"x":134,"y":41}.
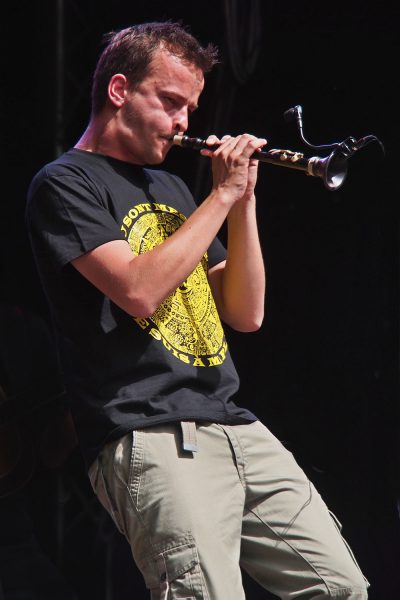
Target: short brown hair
{"x":131,"y":50}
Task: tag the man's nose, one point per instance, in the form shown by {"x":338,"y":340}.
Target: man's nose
{"x":181,"y":120}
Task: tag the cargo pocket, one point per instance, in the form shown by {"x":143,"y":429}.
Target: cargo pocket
{"x":174,"y":572}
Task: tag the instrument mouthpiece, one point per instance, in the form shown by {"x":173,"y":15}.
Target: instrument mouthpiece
{"x":177,"y":139}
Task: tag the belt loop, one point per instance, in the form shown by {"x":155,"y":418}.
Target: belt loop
{"x":189,"y":436}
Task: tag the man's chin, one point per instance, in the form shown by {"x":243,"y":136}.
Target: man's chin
{"x":158,"y":158}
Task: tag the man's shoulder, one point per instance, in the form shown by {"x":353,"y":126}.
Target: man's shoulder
{"x":80,"y":168}
{"x":74,"y":161}
{"x":67,"y":163}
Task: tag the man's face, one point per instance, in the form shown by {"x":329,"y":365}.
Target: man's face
{"x":158,"y":108}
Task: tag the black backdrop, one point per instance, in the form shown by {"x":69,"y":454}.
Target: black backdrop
{"x":323,"y":370}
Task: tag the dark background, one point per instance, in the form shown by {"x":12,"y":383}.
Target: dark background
{"x":322,"y":372}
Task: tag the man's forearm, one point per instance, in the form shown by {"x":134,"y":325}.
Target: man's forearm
{"x":242,"y":291}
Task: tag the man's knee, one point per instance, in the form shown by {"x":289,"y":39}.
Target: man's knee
{"x":350,"y":585}
{"x":355,"y":588}
{"x":354,"y":593}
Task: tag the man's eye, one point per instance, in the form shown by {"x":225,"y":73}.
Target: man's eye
{"x":170,"y":100}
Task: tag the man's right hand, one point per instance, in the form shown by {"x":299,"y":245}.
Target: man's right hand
{"x":234,"y":171}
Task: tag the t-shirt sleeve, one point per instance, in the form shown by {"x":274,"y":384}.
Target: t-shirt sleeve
{"x":67,"y":217}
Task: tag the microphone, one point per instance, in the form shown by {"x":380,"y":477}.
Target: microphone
{"x":346,"y":148}
{"x":295,"y":113}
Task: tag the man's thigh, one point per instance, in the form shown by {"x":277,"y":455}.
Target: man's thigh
{"x":291,"y":543}
{"x":180,"y":511}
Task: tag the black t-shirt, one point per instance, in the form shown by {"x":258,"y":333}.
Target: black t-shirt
{"x":123,"y":372}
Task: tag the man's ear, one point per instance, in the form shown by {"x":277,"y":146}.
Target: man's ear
{"x":116,"y":89}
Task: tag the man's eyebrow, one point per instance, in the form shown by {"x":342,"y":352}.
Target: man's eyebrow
{"x":181,"y":98}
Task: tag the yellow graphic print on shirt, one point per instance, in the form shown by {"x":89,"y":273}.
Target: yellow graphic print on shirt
{"x":187,"y":322}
